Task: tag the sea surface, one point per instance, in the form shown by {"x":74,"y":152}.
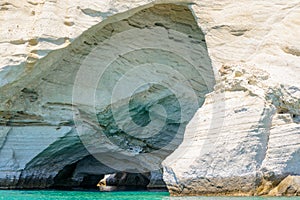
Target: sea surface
{"x":74,"y":195}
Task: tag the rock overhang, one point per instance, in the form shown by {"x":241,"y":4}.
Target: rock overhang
{"x":175,"y":73}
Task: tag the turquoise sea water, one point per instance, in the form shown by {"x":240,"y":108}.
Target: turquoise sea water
{"x":71,"y":195}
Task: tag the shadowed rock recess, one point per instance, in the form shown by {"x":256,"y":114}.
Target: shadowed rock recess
{"x":39,"y":143}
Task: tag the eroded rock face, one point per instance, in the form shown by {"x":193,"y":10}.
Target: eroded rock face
{"x":233,"y":145}
{"x":244,"y":140}
{"x":247,"y":132}
{"x":290,"y":186}
{"x":80,"y":97}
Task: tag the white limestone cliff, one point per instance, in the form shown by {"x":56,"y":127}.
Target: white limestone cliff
{"x":243,"y":140}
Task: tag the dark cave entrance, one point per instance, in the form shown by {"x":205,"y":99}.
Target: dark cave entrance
{"x":74,"y":177}
{"x":65,"y":179}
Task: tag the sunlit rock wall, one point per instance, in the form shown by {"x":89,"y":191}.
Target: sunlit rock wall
{"x":123,"y":91}
{"x":64,"y":95}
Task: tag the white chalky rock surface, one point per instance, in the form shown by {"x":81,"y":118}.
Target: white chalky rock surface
{"x":246,"y":131}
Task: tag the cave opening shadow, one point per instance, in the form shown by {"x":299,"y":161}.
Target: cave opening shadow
{"x":78,"y":176}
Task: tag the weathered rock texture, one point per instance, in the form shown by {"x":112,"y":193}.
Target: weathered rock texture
{"x":243,"y":139}
{"x":229,"y":144}
{"x":161,"y":47}
{"x":290,"y":186}
{"x":246,"y":135}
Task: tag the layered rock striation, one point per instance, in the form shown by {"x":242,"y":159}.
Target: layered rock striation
{"x":123,"y":92}
{"x":208,"y":91}
{"x":229,"y":146}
